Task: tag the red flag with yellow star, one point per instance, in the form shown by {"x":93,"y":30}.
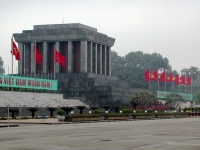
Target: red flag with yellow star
{"x":162,"y":77}
{"x":15,"y":50}
{"x":154,"y":75}
{"x":59,"y":58}
{"x":169,"y":78}
{"x":176,"y":80}
{"x":147,"y":75}
{"x":37,"y":56}
{"x":188,"y":81}
{"x":182,"y":80}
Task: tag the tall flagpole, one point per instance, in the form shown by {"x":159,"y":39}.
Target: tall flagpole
{"x":12,"y":55}
{"x":165,"y":81}
{"x":158,"y":79}
{"x":179,"y":81}
{"x":185,"y":83}
{"x":54,"y":62}
{"x":149,"y":78}
{"x":191,"y":84}
{"x":35,"y":59}
{"x":24,"y":61}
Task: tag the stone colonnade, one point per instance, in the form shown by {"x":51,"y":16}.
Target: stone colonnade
{"x":81,"y":56}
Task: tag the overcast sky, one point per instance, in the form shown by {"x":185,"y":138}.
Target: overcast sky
{"x":168,"y":27}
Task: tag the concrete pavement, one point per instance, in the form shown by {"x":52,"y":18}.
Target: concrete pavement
{"x":164,"y":134}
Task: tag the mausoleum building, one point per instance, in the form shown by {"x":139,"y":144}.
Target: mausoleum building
{"x":87,"y":71}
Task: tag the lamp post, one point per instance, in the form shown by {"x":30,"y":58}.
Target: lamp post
{"x":8,"y":115}
{"x":19,"y":114}
{"x":25,"y":111}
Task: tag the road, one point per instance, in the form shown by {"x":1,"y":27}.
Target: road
{"x":165,"y":134}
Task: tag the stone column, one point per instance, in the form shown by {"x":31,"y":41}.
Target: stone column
{"x":100,"y":59}
{"x":105,"y":58}
{"x":83,"y":56}
{"x":33,"y":62}
{"x":70,"y":56}
{"x":96,"y":58}
{"x":109,"y":61}
{"x":90,"y":56}
{"x":44,"y":57}
{"x":57,"y":65}
{"x":20,"y":63}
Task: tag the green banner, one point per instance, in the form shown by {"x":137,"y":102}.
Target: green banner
{"x":162,"y":94}
{"x":26,"y":82}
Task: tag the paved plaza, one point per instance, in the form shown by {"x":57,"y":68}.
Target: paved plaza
{"x":163,"y":134}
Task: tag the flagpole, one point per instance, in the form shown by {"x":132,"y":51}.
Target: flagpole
{"x":191,"y":84}
{"x":12,"y":55}
{"x":185,"y":83}
{"x":35,"y":59}
{"x":24,"y":60}
{"x":54,"y":63}
{"x":179,"y":81}
{"x":158,"y":78}
{"x":149,"y":78}
{"x":165,"y":81}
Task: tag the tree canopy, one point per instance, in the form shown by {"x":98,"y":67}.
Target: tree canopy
{"x":197,"y":97}
{"x":174,"y":101}
{"x":143,"y":99}
{"x":131,"y":67}
{"x":2,"y":71}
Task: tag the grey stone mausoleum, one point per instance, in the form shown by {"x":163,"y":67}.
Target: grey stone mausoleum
{"x":87,"y":70}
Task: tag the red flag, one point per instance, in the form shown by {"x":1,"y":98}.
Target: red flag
{"x":169,"y":78}
{"x":59,"y":58}
{"x":15,"y":50}
{"x":162,"y":77}
{"x":176,"y":79}
{"x":188,"y":81}
{"x":37,"y":56}
{"x":182,"y":80}
{"x":154,"y":75}
{"x":147,"y":75}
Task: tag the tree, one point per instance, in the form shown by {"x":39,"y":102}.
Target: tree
{"x":2,"y":71}
{"x":13,"y":112}
{"x":174,"y":101}
{"x":51,"y":110}
{"x":194,"y":72}
{"x":94,"y":108}
{"x":61,"y":112}
{"x":197,"y":97}
{"x":143,"y":99}
{"x":131,"y":67}
{"x":116,"y":108}
{"x":106,"y":107}
{"x":32,"y":110}
{"x":67,"y":109}
{"x":81,"y":108}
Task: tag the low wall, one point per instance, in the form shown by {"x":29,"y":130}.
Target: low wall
{"x":29,"y":95}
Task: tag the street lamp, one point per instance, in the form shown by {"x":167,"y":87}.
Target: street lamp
{"x":8,"y":115}
{"x":25,"y":111}
{"x":19,"y":114}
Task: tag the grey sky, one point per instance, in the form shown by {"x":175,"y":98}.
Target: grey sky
{"x":168,"y":27}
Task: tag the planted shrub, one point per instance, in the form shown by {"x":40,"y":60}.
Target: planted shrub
{"x":126,"y":111}
{"x":61,"y":112}
{"x":185,"y":109}
{"x":149,"y":110}
{"x":96,"y":111}
{"x":83,"y":116}
{"x":117,"y":115}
